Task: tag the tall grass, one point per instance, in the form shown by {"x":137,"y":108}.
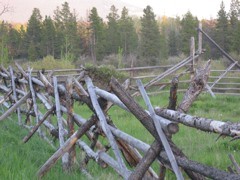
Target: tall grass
{"x":22,"y":161}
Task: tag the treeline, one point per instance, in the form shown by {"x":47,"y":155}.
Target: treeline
{"x":148,"y":38}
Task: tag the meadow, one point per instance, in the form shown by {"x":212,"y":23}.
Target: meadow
{"x":22,"y":161}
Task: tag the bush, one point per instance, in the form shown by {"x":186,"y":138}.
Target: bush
{"x":49,"y":63}
{"x":103,"y":73}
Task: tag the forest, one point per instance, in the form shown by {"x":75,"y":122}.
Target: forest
{"x":149,"y":40}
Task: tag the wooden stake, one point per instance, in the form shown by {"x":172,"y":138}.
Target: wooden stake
{"x":61,"y":131}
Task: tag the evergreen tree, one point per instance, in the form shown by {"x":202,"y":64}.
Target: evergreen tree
{"x":14,"y":40}
{"x":4,"y":55}
{"x":33,"y":34}
{"x":222,"y":28}
{"x":189,"y":23}
{"x":48,"y":37}
{"x":68,"y":41}
{"x":113,"y":34}
{"x":163,"y":38}
{"x":234,"y":26}
{"x":172,"y":43}
{"x":98,"y":38}
{"x":150,"y":36}
{"x":128,"y":35}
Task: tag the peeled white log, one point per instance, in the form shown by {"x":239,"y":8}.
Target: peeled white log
{"x":204,"y":124}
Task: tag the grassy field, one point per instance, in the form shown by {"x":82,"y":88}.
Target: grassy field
{"x":22,"y":161}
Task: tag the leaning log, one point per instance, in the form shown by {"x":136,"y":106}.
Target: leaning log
{"x":160,"y":132}
{"x":196,"y":86}
{"x":15,"y":106}
{"x":34,"y":129}
{"x":65,"y":148}
{"x":145,"y":119}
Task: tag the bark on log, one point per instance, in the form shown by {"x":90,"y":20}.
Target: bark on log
{"x":195,"y":88}
{"x":173,"y":94}
{"x":15,"y":106}
{"x":145,"y":163}
{"x":65,"y":148}
{"x":34,"y":129}
{"x":204,"y":124}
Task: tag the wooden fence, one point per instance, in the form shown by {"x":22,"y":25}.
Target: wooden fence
{"x":24,"y":94}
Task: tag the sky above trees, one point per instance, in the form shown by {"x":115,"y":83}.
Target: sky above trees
{"x":206,"y":9}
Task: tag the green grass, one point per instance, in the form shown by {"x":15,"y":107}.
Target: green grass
{"x":22,"y":161}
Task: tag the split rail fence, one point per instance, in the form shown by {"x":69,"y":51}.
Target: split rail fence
{"x":24,"y":94}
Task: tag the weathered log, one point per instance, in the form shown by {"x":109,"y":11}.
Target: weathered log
{"x":80,"y":121}
{"x":33,"y":95}
{"x":15,"y":106}
{"x":15,"y":95}
{"x":80,"y":88}
{"x":169,"y":71}
{"x":35,"y":80}
{"x":204,"y":124}
{"x":65,"y":157}
{"x":105,"y":157}
{"x":145,"y":119}
{"x":70,"y":122}
{"x":206,"y":171}
{"x":235,"y":164}
{"x":160,"y":132}
{"x":65,"y":148}
{"x":195,"y":88}
{"x":34,"y":129}
{"x":145,"y":163}
{"x":103,"y":123}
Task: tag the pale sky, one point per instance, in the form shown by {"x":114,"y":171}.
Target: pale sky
{"x":22,"y":9}
{"x":201,"y":8}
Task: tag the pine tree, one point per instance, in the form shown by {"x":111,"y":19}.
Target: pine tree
{"x":113,"y":34}
{"x":67,"y":40}
{"x":128,"y":35}
{"x":98,"y":38}
{"x":189,"y":23}
{"x":172,"y":43}
{"x":234,"y":28}
{"x":14,"y":40}
{"x":33,"y":34}
{"x":150,"y":36}
{"x":4,"y":54}
{"x":48,"y":37}
{"x":222,"y":28}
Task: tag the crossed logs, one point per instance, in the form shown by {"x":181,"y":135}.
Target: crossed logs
{"x":23,"y":93}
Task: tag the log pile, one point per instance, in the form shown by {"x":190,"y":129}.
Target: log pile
{"x":37,"y":99}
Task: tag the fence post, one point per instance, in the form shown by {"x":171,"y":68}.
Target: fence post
{"x":200,"y":38}
{"x":192,"y":55}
